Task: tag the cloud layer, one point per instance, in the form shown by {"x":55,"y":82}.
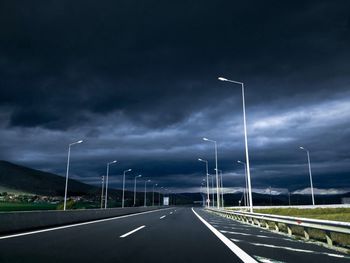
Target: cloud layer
{"x":138,"y":82}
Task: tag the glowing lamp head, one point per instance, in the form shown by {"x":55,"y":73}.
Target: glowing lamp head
{"x":222,"y":79}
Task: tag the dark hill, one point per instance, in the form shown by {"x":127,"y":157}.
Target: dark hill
{"x":33,"y":181}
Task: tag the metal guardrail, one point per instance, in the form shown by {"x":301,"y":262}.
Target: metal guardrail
{"x":262,"y":220}
{"x":292,"y":206}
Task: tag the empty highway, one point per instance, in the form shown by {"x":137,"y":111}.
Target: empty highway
{"x":167,"y":235}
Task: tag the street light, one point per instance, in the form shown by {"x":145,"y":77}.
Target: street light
{"x":145,"y":202}
{"x":206,"y":165}
{"x":106,"y":196}
{"x":67,"y":172}
{"x":213,"y":190}
{"x":308,"y":159}
{"x":245,"y":140}
{"x":201,"y":193}
{"x":137,"y":176}
{"x":129,"y":170}
{"x":159,"y":195}
{"x":153,"y":194}
{"x":103,"y":183}
{"x":246,"y":181}
{"x":217,"y":176}
{"x":221,"y":188}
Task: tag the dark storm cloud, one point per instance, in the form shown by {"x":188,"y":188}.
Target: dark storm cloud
{"x":137,"y":80}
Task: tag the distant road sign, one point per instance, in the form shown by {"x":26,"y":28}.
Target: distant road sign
{"x":166,"y":201}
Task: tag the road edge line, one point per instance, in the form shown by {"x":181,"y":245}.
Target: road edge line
{"x":232,"y":246}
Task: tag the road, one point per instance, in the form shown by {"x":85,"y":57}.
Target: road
{"x":168,"y":235}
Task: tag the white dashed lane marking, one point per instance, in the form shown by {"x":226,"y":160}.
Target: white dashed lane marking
{"x":132,"y":231}
{"x":267,"y":260}
{"x":293,"y":249}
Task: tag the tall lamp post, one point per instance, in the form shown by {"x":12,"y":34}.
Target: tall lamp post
{"x":153,"y":194}
{"x":159,"y":195}
{"x":213,"y":189}
{"x":106,"y":196}
{"x":137,"y":176}
{"x":246,"y":181}
{"x":308,"y":160}
{"x":206,"y":166}
{"x":221,"y":188}
{"x":103,"y":183}
{"x":216,"y":167}
{"x":245,"y":140}
{"x":67,"y":172}
{"x":129,"y":170}
{"x":145,"y":202}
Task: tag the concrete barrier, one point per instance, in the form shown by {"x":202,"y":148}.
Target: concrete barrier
{"x":14,"y":222}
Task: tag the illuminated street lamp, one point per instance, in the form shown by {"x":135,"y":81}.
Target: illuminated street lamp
{"x":106,"y":196}
{"x":246,"y":181}
{"x":308,"y":160}
{"x":245,"y":140}
{"x":67,"y":172}
{"x":216,"y":167}
{"x":129,"y":170}
{"x":145,"y":201}
{"x":206,"y":165}
{"x":137,"y":176}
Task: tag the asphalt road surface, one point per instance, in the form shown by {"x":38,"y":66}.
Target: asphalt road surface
{"x":168,"y":235}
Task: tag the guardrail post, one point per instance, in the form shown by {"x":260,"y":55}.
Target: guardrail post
{"x":267,"y":225}
{"x":306,"y":233}
{"x":289,"y":230}
{"x":258,"y":222}
{"x":253,"y":221}
{"x":329,"y":238}
{"x":276,"y":227}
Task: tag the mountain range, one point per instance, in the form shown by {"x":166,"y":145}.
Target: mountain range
{"x":17,"y":178}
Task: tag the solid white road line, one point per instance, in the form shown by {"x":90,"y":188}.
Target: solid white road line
{"x":78,"y":224}
{"x":162,"y":217}
{"x":233,"y":247}
{"x":132,"y":231}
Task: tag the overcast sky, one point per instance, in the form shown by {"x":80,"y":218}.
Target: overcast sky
{"x":137,"y":81}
